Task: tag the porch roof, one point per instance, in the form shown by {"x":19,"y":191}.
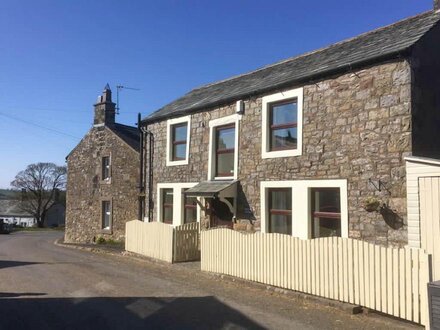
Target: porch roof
{"x":209,"y":188}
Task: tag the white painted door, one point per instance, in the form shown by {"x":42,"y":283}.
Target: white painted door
{"x":429,"y":190}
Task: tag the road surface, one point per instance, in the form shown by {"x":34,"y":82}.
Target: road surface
{"x":45,"y":286}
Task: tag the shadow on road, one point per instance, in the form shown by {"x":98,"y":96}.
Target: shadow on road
{"x":121,"y":313}
{"x":10,"y":263}
{"x":21,"y":294}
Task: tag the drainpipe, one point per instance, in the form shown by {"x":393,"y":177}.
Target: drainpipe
{"x":146,"y":134}
{"x":150,"y":174}
{"x":141,"y":171}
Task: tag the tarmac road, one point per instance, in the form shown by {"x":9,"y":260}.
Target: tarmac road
{"x":45,"y":286}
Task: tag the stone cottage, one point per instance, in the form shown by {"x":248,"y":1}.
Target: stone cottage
{"x":311,"y":146}
{"x":102,"y":178}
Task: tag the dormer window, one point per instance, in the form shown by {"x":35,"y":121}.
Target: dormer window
{"x":105,"y":168}
{"x":178,"y":137}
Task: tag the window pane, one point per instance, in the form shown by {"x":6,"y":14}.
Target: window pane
{"x":326,"y":212}
{"x":179,"y":132}
{"x":106,"y":214}
{"x":280,"y":211}
{"x":168,"y":196}
{"x":281,"y":199}
{"x":190,"y":215}
{"x":167,"y":205}
{"x":179,"y":151}
{"x":190,"y":209}
{"x":326,"y":227}
{"x":226,"y":138}
{"x":280,"y":224}
{"x":105,"y":168}
{"x":168,"y":215}
{"x":225,"y":164}
{"x":284,"y":113}
{"x":284,"y":138}
{"x":328,"y":200}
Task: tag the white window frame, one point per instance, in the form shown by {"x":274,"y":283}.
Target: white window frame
{"x":169,"y":156}
{"x":265,"y":143}
{"x":213,"y":124}
{"x":301,"y":204}
{"x":178,"y":200}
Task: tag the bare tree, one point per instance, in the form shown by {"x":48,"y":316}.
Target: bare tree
{"x":39,"y":184}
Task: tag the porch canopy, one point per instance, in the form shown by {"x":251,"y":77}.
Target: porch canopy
{"x":211,"y":189}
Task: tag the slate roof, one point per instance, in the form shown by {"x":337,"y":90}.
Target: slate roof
{"x":11,"y":208}
{"x":208,"y":188}
{"x":129,"y":134}
{"x":371,"y":47}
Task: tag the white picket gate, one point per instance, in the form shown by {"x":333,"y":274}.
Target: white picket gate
{"x":163,"y":241}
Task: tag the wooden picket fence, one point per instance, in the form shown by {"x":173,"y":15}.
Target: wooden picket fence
{"x":389,"y":280}
{"x":163,"y":241}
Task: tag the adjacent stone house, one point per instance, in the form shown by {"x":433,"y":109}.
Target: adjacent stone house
{"x":311,"y":146}
{"x":102,"y":178}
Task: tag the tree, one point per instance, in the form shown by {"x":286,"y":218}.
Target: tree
{"x":39,"y":184}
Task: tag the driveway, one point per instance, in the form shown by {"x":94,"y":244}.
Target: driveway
{"x":44,"y":286}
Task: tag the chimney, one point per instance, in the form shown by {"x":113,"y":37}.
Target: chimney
{"x":436,"y":5}
{"x":104,"y":108}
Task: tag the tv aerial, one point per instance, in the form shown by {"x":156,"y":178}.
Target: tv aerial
{"x":118,"y":88}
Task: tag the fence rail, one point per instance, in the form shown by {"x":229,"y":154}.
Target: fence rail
{"x":389,"y":280}
{"x":162,"y":241}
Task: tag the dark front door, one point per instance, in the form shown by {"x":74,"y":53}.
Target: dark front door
{"x":221,"y":215}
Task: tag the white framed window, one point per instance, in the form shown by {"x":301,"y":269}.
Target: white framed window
{"x":178,"y":138}
{"x":105,"y":169}
{"x":305,"y":208}
{"x":173,"y":207}
{"x":106,"y":215}
{"x":223,"y":148}
{"x":282,"y":124}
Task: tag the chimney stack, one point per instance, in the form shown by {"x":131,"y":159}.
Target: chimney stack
{"x":105,"y":108}
{"x":436,"y":5}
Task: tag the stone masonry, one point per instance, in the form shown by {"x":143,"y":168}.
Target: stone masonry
{"x":86,"y":190}
{"x":356,"y":126}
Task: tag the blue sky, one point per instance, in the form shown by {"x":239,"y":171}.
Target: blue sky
{"x":56,"y":56}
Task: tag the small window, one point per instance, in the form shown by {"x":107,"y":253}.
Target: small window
{"x":326,"y":212}
{"x":167,"y":205}
{"x":105,"y":168}
{"x":190,"y":209}
{"x":106,"y":214}
{"x":280,"y":210}
{"x":225,"y":151}
{"x":179,"y":142}
{"x":283,"y":125}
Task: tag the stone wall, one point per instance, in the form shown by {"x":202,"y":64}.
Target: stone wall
{"x":356,"y":126}
{"x":85,"y":190}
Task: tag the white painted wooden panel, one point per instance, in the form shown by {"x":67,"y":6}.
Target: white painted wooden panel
{"x":389,"y":280}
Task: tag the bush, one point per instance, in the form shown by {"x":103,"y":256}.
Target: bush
{"x":100,"y":240}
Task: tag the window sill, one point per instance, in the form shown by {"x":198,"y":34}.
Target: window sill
{"x":281,"y":153}
{"x":106,"y":231}
{"x":222,"y":178}
{"x":177,"y":162}
{"x":106,"y":181}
